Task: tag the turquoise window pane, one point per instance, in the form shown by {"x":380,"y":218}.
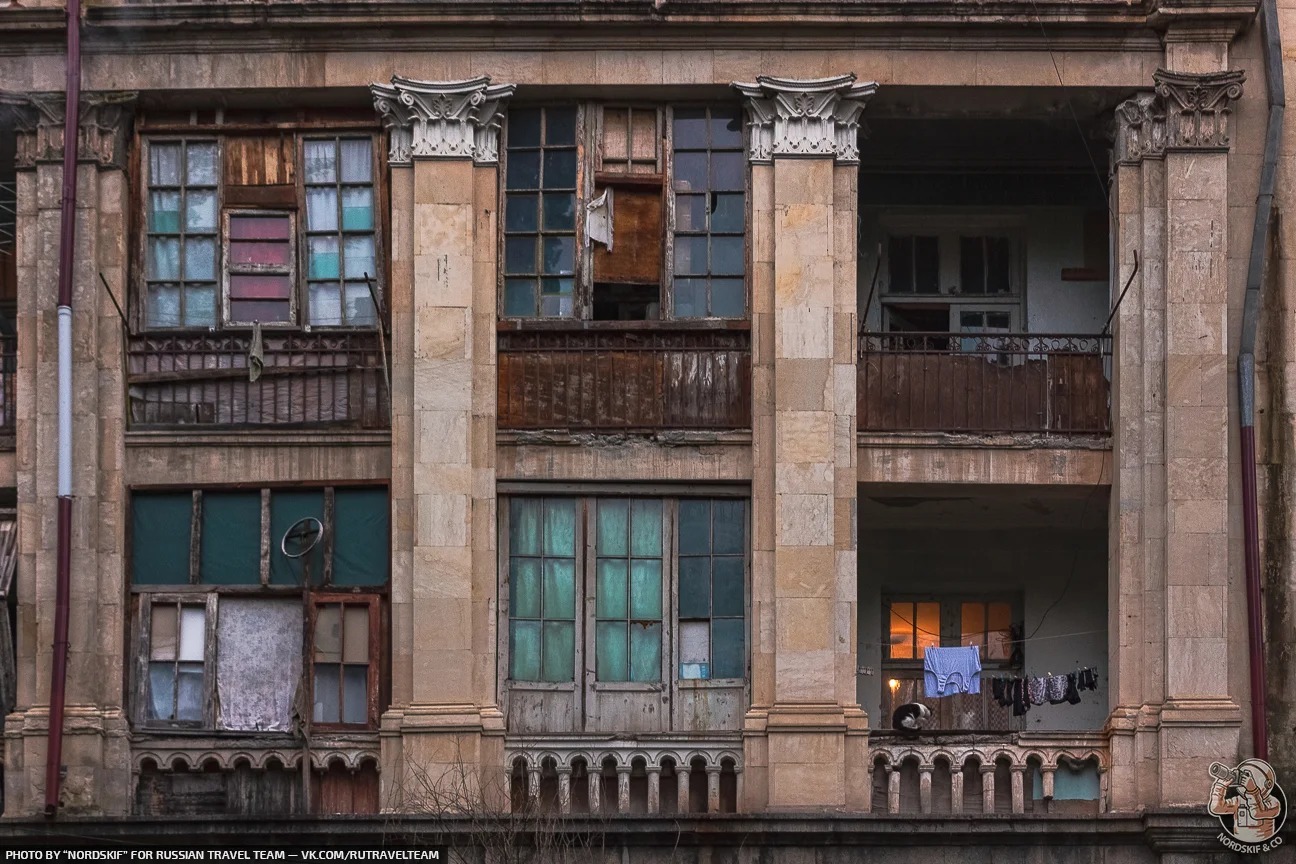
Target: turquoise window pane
{"x":524,"y":526}
{"x":645,"y":529}
{"x":286,"y":508}
{"x":612,"y":539}
{"x":524,"y":587}
{"x":231,"y":538}
{"x":519,"y":298}
{"x":559,"y":595}
{"x":321,"y":162}
{"x":728,"y":653}
{"x":357,"y":209}
{"x":645,"y":652}
{"x":524,"y":650}
{"x":730,"y":527}
{"x":645,"y":590}
{"x":160,"y":529}
{"x":695,"y":588}
{"x":611,"y":599}
{"x":559,"y":661}
{"x":694,"y":527}
{"x":362,"y":538}
{"x":323,"y":258}
{"x":164,"y":212}
{"x":727,"y":585}
{"x":610,"y":651}
{"x":560,"y":528}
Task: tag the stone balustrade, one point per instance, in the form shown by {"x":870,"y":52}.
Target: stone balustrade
{"x":1016,"y":773}
{"x":648,"y":774}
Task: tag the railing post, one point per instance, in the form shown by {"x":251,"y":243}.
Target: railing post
{"x":925,"y":788}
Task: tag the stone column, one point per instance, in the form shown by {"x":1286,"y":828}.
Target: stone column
{"x":96,"y":751}
{"x":1172,"y":710}
{"x":806,"y":735}
{"x":444,"y":723}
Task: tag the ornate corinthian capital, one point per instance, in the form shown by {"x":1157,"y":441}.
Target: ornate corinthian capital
{"x":1140,"y":129}
{"x":442,"y":119}
{"x":38,"y":118}
{"x":811,"y":117}
{"x":1197,"y":107}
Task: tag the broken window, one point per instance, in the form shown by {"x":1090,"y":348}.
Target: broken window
{"x":232,"y":221}
{"x":222,"y":620}
{"x":640,"y":594}
{"x":661,"y":196}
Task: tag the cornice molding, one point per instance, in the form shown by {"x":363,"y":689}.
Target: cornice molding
{"x":38,"y":119}
{"x":813,"y":117}
{"x":442,"y":119}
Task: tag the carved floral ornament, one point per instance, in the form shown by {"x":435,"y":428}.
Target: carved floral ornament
{"x":1186,"y":112}
{"x":38,"y":119}
{"x":808,"y":117}
{"x":442,"y":119}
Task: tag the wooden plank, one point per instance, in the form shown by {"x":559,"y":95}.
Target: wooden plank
{"x":637,"y":238}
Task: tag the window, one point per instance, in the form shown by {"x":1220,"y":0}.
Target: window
{"x":221,"y":618}
{"x":233,"y":221}
{"x":624,"y":259}
{"x":914,"y":624}
{"x":181,"y":255}
{"x":636,"y":583}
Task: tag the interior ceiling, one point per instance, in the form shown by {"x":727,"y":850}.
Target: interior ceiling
{"x":978,"y":508}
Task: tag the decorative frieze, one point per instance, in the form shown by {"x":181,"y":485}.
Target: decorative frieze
{"x":1140,"y":129}
{"x":38,"y":118}
{"x":810,"y":117}
{"x":1197,"y":107}
{"x":442,"y":119}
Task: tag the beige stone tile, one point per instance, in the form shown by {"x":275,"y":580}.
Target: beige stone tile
{"x":1195,"y":328}
{"x":803,"y":332}
{"x":804,"y":676}
{"x":1103,"y":69}
{"x":1196,"y":611}
{"x":804,"y":477}
{"x":629,"y":67}
{"x":688,"y":67}
{"x":1197,"y":667}
{"x":803,"y":385}
{"x":945,"y":68}
{"x":804,"y":436}
{"x":1196,"y":432}
{"x":804,"y":520}
{"x":808,"y":572}
{"x":442,"y":520}
{"x":1017,"y":69}
{"x":801,"y":785}
{"x":571,"y":68}
{"x":508,"y":67}
{"x":806,"y":748}
{"x":442,"y":572}
{"x":867,"y":64}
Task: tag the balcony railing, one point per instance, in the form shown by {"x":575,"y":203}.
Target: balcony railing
{"x":984,"y":383}
{"x":8,"y":391}
{"x":308,"y":380}
{"x":633,"y":378}
{"x":989,"y":774}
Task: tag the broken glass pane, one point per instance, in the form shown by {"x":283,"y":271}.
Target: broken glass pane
{"x":694,"y":587}
{"x":728,"y":212}
{"x":524,"y":526}
{"x":560,"y":528}
{"x":645,"y":652}
{"x":327,"y":709}
{"x":645,"y":590}
{"x":690,"y":212}
{"x":726,"y":128}
{"x":610,"y":600}
{"x":728,"y":652}
{"x":358,"y":257}
{"x":355,"y":694}
{"x":559,"y":661}
{"x":359,"y":305}
{"x":559,"y":211}
{"x":559,"y":594}
{"x":610,"y":650}
{"x":727,"y":586}
{"x":613,"y":517}
{"x":524,"y":587}
{"x":645,"y":528}
{"x":524,"y":650}
{"x":559,"y":255}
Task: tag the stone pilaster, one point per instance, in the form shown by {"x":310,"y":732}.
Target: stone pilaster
{"x":806,"y":733}
{"x":95,"y":749}
{"x":444,"y":724}
{"x":1169,"y":531}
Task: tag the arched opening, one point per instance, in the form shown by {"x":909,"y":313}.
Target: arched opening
{"x":1003,"y":785}
{"x":942,"y":786}
{"x":728,"y":786}
{"x":972,"y":786}
{"x":910,"y":796}
{"x":669,"y":786}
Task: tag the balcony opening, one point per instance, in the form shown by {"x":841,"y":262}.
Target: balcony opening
{"x":669,"y":786}
{"x":942,"y":786}
{"x":580,"y":799}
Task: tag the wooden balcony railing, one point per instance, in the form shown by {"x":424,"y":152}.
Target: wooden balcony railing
{"x":962,"y":382}
{"x":637,"y":377}
{"x":308,"y":380}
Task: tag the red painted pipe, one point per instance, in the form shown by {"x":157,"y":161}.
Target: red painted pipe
{"x":67,"y":249}
{"x":1255,"y":626}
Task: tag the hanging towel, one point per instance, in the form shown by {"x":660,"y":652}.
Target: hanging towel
{"x":1055,"y":689}
{"x":951,"y":670}
{"x":256,"y":354}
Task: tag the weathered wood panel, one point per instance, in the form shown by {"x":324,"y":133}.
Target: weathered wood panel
{"x":540,"y":709}
{"x":709,"y":708}
{"x":636,"y":254}
{"x":626,"y":379}
{"x":954,"y":383}
{"x":341,"y":791}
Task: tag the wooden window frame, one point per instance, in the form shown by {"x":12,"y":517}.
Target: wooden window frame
{"x":374,"y":603}
{"x":591,"y":172}
{"x":951,"y":605}
{"x":142,"y":652}
{"x":230,"y":269}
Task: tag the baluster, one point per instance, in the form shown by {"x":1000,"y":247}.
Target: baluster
{"x":713,"y":788}
{"x":533,"y":786}
{"x":893,"y":789}
{"x":595,"y":780}
{"x":956,"y":789}
{"x":988,"y":788}
{"x":654,"y":788}
{"x":925,"y":787}
{"x":623,"y":788}
{"x":1046,"y":777}
{"x":564,"y":789}
{"x":1018,"y":789}
{"x":681,"y":788}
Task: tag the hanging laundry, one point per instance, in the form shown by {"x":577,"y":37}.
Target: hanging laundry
{"x":1055,"y":687}
{"x":1088,"y":679}
{"x":951,"y":670}
{"x":1072,"y":692}
{"x":1035,"y":690}
{"x":997,"y":690}
{"x":1020,"y":701}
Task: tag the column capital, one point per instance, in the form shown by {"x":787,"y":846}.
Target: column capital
{"x":38,"y":119}
{"x":811,"y":117}
{"x":442,"y":119}
{"x":1197,"y":107}
{"x":1140,"y":129}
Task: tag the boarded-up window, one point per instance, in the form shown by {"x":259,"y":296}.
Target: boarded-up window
{"x":339,"y":231}
{"x":628,"y":593}
{"x":181,"y":255}
{"x":258,"y":663}
{"x":712,"y":599}
{"x":542,"y":589}
{"x":160,"y":538}
{"x":631,"y":142}
{"x":540,"y":213}
{"x":231,"y":538}
{"x":344,"y":679}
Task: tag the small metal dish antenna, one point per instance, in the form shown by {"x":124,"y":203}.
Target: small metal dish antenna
{"x":301,"y":537}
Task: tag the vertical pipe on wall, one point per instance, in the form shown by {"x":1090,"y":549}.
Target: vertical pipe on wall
{"x":67,"y":248}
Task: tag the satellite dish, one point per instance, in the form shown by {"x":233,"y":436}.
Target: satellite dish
{"x":301,"y":537}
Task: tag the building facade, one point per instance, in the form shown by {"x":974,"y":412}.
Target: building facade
{"x":598,"y":408}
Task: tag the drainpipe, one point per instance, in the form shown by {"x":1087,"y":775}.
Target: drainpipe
{"x":67,"y":247}
{"x":1246,"y":373}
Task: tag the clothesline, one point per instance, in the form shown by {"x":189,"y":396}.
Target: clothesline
{"x":1015,"y":641}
